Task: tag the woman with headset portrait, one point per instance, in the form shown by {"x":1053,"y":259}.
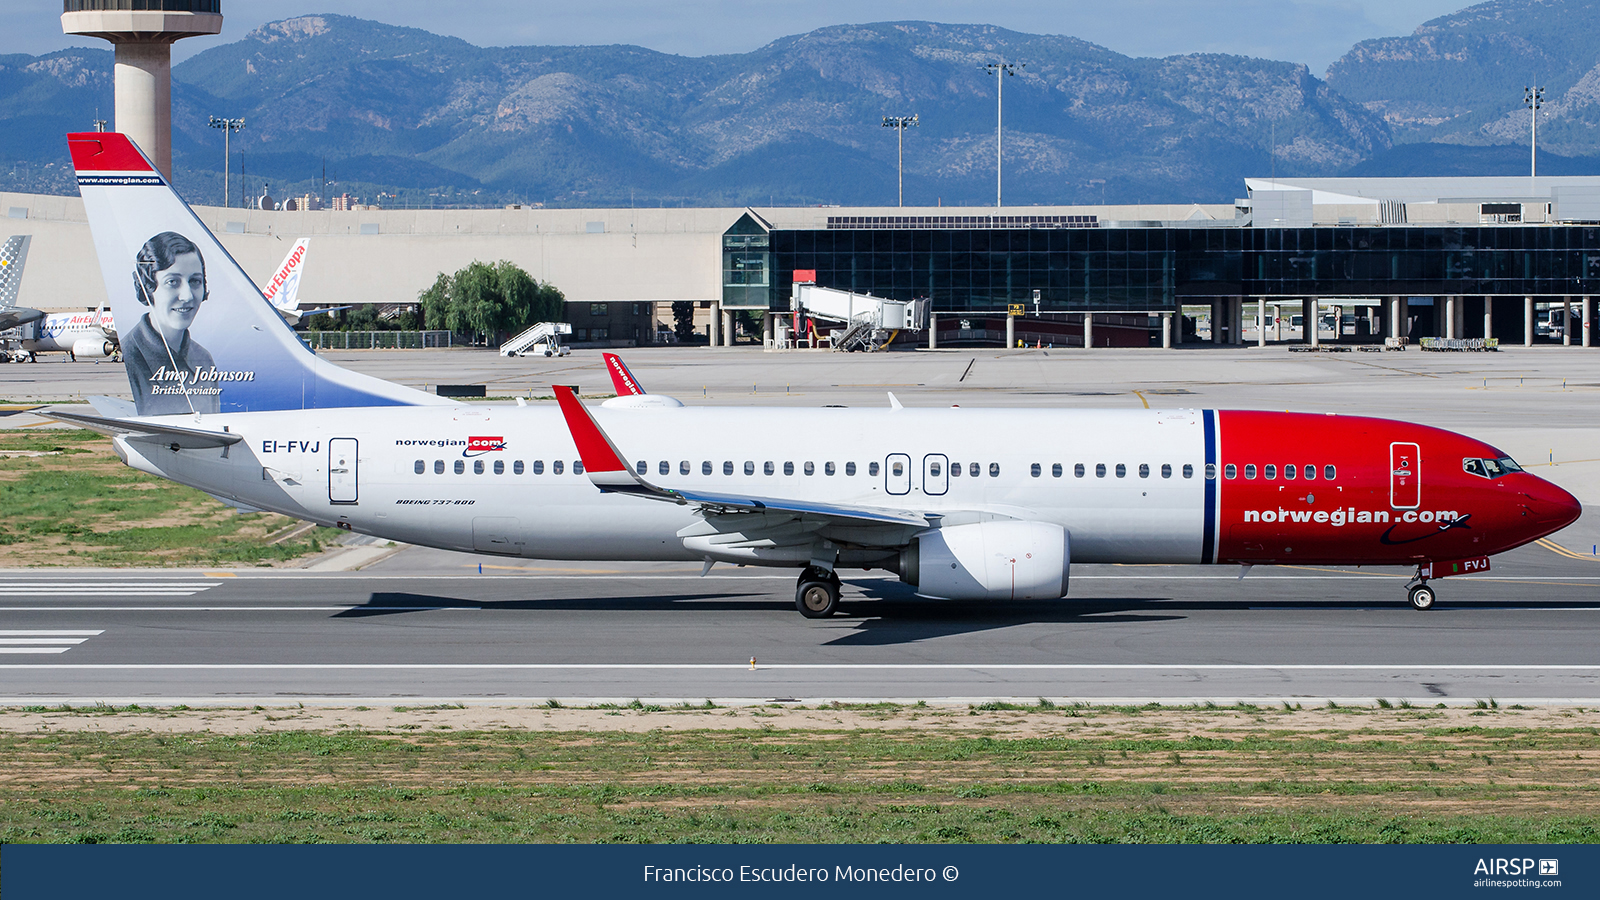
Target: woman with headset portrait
{"x":166,"y":367}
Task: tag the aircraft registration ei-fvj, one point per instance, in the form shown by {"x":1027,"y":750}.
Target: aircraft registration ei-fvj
{"x":963,"y":503}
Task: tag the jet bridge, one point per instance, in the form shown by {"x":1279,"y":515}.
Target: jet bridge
{"x":864,"y":322}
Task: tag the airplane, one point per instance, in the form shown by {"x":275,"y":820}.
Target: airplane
{"x":963,"y":503}
{"x":13,"y":258}
{"x":88,"y":334}
{"x":282,"y":290}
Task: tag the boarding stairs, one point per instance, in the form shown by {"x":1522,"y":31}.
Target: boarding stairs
{"x":543,"y":339}
{"x":869,"y":322}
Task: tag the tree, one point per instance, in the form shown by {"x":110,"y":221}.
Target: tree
{"x":485,"y":300}
{"x":683,"y":320}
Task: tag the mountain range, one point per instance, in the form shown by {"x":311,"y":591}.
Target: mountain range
{"x":431,"y":120}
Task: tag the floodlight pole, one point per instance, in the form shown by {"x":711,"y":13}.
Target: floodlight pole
{"x":1533,"y":98}
{"x":228,"y":126}
{"x":900,"y":124}
{"x":1000,"y":70}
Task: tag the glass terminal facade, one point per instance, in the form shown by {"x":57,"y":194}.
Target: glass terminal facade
{"x":980,"y":267}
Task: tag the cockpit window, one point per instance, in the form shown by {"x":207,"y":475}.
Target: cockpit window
{"x":1490,"y":468}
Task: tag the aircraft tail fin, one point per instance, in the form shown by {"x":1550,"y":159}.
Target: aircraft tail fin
{"x":13,"y":256}
{"x":283,"y":289}
{"x":197,"y":335}
{"x":621,"y":378}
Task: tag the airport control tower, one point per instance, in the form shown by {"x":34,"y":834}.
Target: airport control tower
{"x":143,"y":32}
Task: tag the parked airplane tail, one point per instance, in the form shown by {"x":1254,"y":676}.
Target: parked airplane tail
{"x":13,"y":256}
{"x":196,"y":333}
{"x":283,"y":290}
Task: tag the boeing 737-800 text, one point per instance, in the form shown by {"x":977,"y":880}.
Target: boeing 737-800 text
{"x":963,"y":503}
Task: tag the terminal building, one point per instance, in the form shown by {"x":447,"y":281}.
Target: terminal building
{"x":1401,"y":257}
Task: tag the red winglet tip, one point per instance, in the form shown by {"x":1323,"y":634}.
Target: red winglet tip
{"x":621,"y":378}
{"x":593,"y":447}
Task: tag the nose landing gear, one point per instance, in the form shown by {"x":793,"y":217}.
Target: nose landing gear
{"x":816,"y":594}
{"x":1419,"y":594}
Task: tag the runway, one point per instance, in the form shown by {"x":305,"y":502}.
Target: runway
{"x":426,"y":628}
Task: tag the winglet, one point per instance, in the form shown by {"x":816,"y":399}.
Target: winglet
{"x":602,"y":462}
{"x":621,"y":378}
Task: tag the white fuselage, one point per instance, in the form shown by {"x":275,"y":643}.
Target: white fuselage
{"x":299,"y":463}
{"x":61,"y":332}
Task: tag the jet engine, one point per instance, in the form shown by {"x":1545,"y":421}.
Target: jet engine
{"x":91,"y":348}
{"x":999,"y":560}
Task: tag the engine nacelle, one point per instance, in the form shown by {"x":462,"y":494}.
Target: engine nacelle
{"x":91,"y":348}
{"x":1001,"y":560}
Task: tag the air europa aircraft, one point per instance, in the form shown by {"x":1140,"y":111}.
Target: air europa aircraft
{"x":962,"y":503}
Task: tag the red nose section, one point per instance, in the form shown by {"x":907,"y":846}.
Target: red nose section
{"x":1551,"y":507}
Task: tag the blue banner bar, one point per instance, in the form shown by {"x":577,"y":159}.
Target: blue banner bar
{"x":245,"y":872}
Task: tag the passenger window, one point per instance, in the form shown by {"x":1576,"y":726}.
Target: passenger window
{"x":577,"y":467}
{"x":499,"y":467}
{"x":934,"y":469}
{"x":1188,"y":471}
{"x":897,"y":470}
{"x":460,"y":467}
{"x":827,"y":468}
{"x":1122,"y":470}
{"x":955,"y":470}
{"x":1077,"y":470}
{"x":767,"y":468}
{"x":1288,"y":473}
{"x":538,"y":467}
{"x":420,"y":467}
{"x":1099,"y":470}
{"x":973,"y":470}
{"x":994,"y":470}
{"x":1270,"y":473}
{"x":555,"y":467}
{"x":727,"y":467}
{"x":664,"y":468}
{"x":1166,"y":470}
{"x":1329,"y":473}
{"x":705,"y":467}
{"x":788,"y":468}
{"x":810,"y":468}
{"x":1055,"y":471}
{"x":642,"y":467}
{"x":1249,"y":472}
{"x":683,"y":467}
{"x":477,"y":467}
{"x":872,"y":469}
{"x":1311,"y":473}
{"x":749,"y":467}
{"x":516,"y":467}
{"x":438,"y":467}
{"x":850,"y":468}
{"x":1144,"y":470}
{"x":1035,"y":470}
{"x":1228,"y":471}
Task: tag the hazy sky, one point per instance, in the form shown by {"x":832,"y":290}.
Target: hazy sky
{"x":1314,"y":32}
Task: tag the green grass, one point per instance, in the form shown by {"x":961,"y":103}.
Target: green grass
{"x":82,"y":506}
{"x":902,"y":785}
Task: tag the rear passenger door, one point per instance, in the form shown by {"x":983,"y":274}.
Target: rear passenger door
{"x":935,"y":474}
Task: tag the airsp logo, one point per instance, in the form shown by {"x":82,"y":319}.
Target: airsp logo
{"x":1500,"y":866}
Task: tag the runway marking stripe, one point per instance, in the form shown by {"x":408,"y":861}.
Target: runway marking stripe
{"x":944,"y":667}
{"x":45,"y":633}
{"x":33,"y":650}
{"x":40,"y":640}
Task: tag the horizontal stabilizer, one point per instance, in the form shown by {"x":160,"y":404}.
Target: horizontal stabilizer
{"x":113,"y":407}
{"x":175,"y":435}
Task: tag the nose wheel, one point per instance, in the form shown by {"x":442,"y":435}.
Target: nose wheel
{"x":1421,"y":597}
{"x":817,"y":593}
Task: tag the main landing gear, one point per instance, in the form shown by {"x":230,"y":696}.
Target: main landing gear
{"x":1420,"y":595}
{"x":816,"y":594}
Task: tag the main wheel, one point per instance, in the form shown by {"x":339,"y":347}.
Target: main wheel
{"x":817,"y":599}
{"x":1420,"y":597}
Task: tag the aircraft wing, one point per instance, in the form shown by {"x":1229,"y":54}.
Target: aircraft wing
{"x":177,"y":436}
{"x":609,"y":471}
{"x":19,"y":315}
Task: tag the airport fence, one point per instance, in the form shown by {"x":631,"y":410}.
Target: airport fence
{"x":378,"y":340}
